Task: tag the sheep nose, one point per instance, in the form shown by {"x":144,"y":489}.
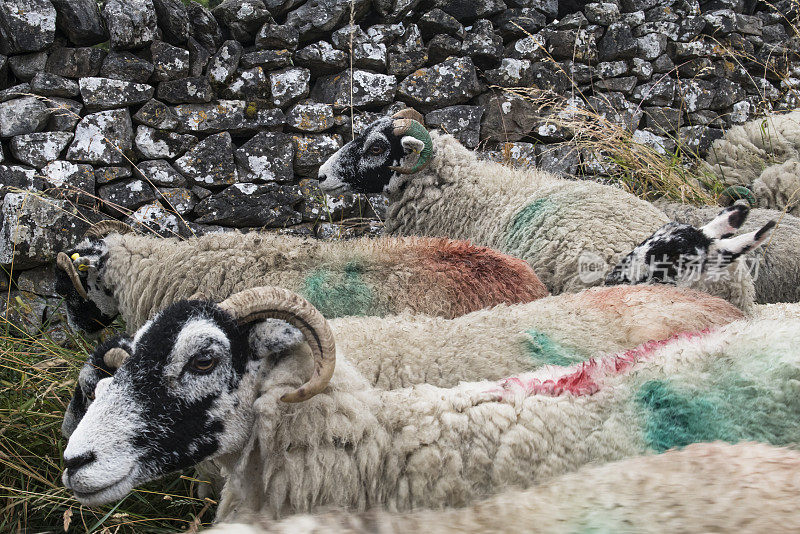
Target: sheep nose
{"x":322,"y":177}
{"x":76,"y":462}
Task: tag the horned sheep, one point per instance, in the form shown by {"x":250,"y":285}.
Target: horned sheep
{"x":777,"y":278}
{"x":705,"y":487}
{"x":764,"y":156}
{"x":113,"y":271}
{"x":200,"y":383}
{"x":437,"y":187}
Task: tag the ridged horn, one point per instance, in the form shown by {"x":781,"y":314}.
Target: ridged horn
{"x":115,"y":357}
{"x":65,"y":264}
{"x":412,"y":127}
{"x":199,"y":295}
{"x":103,"y":228}
{"x":731,"y":194}
{"x":410,"y":113}
{"x":261,"y":303}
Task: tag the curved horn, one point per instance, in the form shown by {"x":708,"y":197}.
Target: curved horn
{"x":415,"y":129}
{"x":199,"y":295}
{"x":275,"y":303}
{"x":65,"y":264}
{"x":103,"y":228}
{"x":410,"y":113}
{"x":735,"y":193}
{"x":115,"y":357}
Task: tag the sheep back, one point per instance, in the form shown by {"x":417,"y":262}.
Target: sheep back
{"x":357,"y":277}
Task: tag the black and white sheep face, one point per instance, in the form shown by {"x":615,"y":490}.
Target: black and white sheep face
{"x":100,"y":310}
{"x":364,"y":163}
{"x":681,"y":253}
{"x":184,"y":394}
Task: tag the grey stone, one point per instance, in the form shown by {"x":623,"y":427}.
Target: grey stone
{"x":103,"y":138}
{"x":186,"y":91}
{"x":173,"y":20}
{"x":726,"y":93}
{"x":159,"y":172}
{"x":657,"y":142}
{"x":169,"y":62}
{"x":38,"y":149}
{"x":369,"y":89}
{"x":369,"y":55}
{"x":451,"y":82}
{"x":250,"y":84}
{"x":35,"y":229}
{"x":662,"y":119}
{"x":17,"y":177}
{"x":289,"y":85}
{"x":321,"y":58}
{"x":178,"y":199}
{"x":280,"y":36}
{"x":658,"y":93}
{"x":64,"y":114}
{"x":156,"y":144}
{"x":124,"y":196}
{"x":204,"y":27}
{"x":200,"y":192}
{"x":154,"y":218}
{"x":602,"y":13}
{"x":651,"y":46}
{"x":642,"y":69}
{"x":104,"y":175}
{"x":156,"y":115}
{"x":530,"y":48}
{"x":698,"y":139}
{"x":311,"y":151}
{"x":507,"y":117}
{"x":519,"y":22}
{"x":578,"y":45}
{"x":408,"y":53}
{"x":639,"y":5}
{"x":720,"y":21}
{"x":696,"y":94}
{"x":317,"y":17}
{"x":436,"y":22}
{"x":46,"y":84}
{"x":663,"y":64}
{"x":442,"y":47}
{"x":690,"y":27}
{"x":617,"y":43}
{"x":483,"y":45}
{"x":469,"y":11}
{"x":251,"y":205}
{"x":242,"y":17}
{"x":511,"y":73}
{"x":39,"y":280}
{"x":80,"y":21}
{"x":71,"y":181}
{"x":624,"y":84}
{"x":199,"y":56}
{"x":515,"y":154}
{"x":309,"y":116}
{"x":235,"y":116}
{"x":131,"y":23}
{"x":126,"y":66}
{"x":225,"y":61}
{"x":560,"y":77}
{"x":210,"y":163}
{"x":267,"y":157}
{"x":463,"y":122}
{"x":350,"y":128}
{"x":26,"y":66}
{"x":561,"y":159}
{"x":267,"y":59}
{"x":108,"y":93}
{"x":615,"y":108}
{"x":16,"y":91}
{"x":26,"y":26}
{"x":75,"y":62}
{"x":611,"y":69}
{"x":22,"y":116}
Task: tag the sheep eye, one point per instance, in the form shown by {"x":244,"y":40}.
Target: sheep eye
{"x":90,"y":396}
{"x":376,"y":149}
{"x":202,"y":364}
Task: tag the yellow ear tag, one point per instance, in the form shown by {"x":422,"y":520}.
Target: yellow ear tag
{"x":83,"y":267}
{"x":75,"y":256}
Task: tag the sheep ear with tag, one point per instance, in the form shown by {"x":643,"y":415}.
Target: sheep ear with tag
{"x":412,"y":145}
{"x":272,"y":336}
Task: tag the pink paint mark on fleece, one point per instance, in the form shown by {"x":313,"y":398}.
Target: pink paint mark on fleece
{"x":585,"y":377}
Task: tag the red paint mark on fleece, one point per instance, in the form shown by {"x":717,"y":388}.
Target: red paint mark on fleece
{"x":585,"y":379}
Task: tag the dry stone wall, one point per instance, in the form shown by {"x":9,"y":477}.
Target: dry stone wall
{"x":193,"y":119}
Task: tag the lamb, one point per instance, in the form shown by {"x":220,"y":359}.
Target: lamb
{"x":777,"y":277}
{"x":399,"y":351}
{"x":705,"y":487}
{"x":212,"y":381}
{"x":437,"y":187}
{"x":763,"y":155}
{"x":115,"y":272}
{"x":679,"y":253}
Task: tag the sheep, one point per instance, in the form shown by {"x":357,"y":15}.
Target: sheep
{"x":680,"y":253}
{"x":113,"y":271}
{"x":399,"y":351}
{"x":437,"y":187}
{"x":705,"y":487}
{"x":213,"y":381}
{"x":763,"y":155}
{"x":777,"y":278}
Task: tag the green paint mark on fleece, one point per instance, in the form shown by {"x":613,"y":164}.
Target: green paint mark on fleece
{"x":548,"y":352}
{"x":528,"y":218}
{"x":339,"y":295}
{"x":732,"y":408}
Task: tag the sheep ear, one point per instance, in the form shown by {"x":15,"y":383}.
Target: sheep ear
{"x":272,"y":336}
{"x":734,"y":247}
{"x":411,"y":144}
{"x":727,"y":222}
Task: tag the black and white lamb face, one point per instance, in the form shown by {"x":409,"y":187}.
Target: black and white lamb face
{"x":184,"y":390}
{"x":678,"y":253}
{"x":91,"y":306}
{"x":376,"y":160}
